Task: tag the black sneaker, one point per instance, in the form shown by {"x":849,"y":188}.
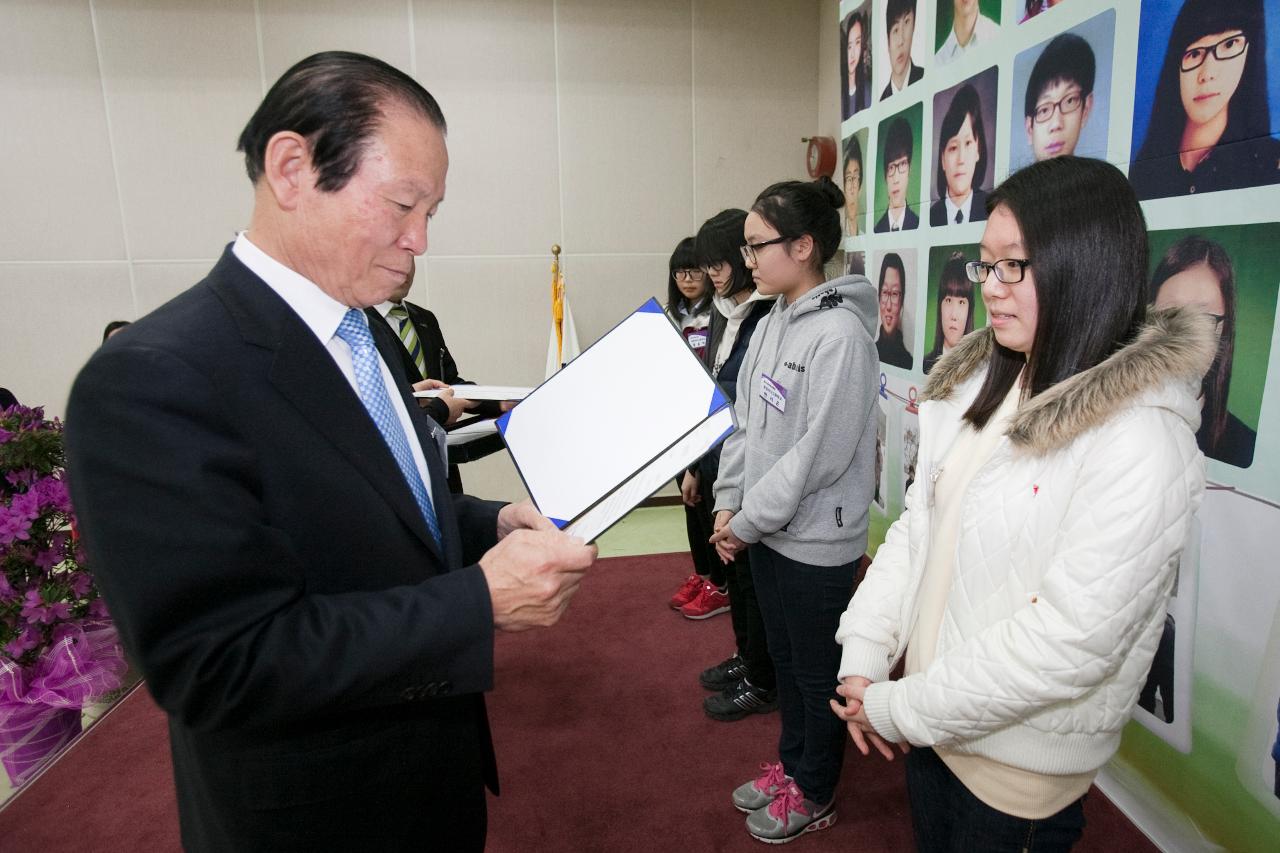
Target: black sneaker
{"x":740,"y":700}
{"x":724,"y":675}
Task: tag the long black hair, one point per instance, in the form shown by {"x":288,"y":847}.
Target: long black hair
{"x":719,"y":241}
{"x":1086,"y":238}
{"x":860,"y":73}
{"x":1186,"y":253}
{"x":955,"y":283}
{"x":799,"y":208}
{"x":684,"y":258}
{"x":1248,"y":112}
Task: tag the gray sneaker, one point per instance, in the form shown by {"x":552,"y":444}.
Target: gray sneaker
{"x":789,"y":816}
{"x":760,"y":791}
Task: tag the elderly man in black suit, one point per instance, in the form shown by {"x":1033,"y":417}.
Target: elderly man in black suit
{"x":266,"y":512}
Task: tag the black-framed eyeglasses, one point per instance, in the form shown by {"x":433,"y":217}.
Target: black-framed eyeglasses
{"x":749,"y":250}
{"x":1067,"y":104}
{"x":901,"y":165}
{"x":1227,"y":48}
{"x":1007,"y":270}
{"x":689,"y":274}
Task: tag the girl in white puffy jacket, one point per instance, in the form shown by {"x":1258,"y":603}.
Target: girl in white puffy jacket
{"x":1026,"y":582}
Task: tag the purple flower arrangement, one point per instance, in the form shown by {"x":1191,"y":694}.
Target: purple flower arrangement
{"x":58,"y":648}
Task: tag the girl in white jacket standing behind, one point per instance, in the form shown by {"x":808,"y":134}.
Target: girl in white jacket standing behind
{"x":1027,"y":579}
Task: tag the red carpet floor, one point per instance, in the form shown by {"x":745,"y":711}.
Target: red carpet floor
{"x":602,"y":746}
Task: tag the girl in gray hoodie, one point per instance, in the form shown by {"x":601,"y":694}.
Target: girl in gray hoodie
{"x":795,"y":484}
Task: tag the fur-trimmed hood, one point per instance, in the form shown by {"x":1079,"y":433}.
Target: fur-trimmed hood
{"x":1174,"y":345}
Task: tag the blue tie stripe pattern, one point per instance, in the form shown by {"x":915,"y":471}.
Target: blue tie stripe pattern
{"x":373,"y":393}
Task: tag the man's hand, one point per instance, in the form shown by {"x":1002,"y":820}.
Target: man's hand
{"x":521,"y":516}
{"x":727,"y":543}
{"x":689,"y":489}
{"x":854,"y":688}
{"x":532,"y":575}
{"x":456,"y":406}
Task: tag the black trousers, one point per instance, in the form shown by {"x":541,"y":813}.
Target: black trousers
{"x":802,"y":605}
{"x":699,"y":524}
{"x":948,"y":818}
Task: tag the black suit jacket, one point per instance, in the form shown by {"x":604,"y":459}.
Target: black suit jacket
{"x":320,"y":657}
{"x":977,"y":210}
{"x":910,"y":221}
{"x":913,"y":76}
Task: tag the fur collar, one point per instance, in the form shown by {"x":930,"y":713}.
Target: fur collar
{"x":1173,"y":343}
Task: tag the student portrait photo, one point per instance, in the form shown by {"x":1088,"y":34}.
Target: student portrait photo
{"x":1064,"y":86}
{"x":965,"y":118}
{"x":899,"y":185}
{"x":1031,"y":8}
{"x":1229,"y":272}
{"x":899,"y":47}
{"x":855,"y":60}
{"x":1203,"y":123}
{"x":955,"y":304}
{"x":854,"y":183}
{"x":897,"y":308}
{"x":964,"y":27}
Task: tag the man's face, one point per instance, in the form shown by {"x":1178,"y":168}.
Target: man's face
{"x":1065,"y":111}
{"x":959,"y":159}
{"x":890,"y":300}
{"x":358,"y":244}
{"x":852,"y":184}
{"x":900,"y":35}
{"x":896,"y":176}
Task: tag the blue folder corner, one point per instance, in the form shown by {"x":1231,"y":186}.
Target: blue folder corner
{"x":650,"y":307}
{"x":718,"y":400}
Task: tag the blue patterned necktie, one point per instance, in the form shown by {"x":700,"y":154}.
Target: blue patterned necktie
{"x":373,"y":393}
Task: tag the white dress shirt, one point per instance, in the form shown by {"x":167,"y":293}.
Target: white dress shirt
{"x":322,"y":315}
{"x":963,"y":208}
{"x":985,"y":32}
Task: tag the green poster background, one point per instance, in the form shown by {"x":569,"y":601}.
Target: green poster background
{"x":1256,"y":261}
{"x":914,"y":116}
{"x":946,"y":14}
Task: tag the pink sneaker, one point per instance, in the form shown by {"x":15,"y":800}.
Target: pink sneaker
{"x":707,"y":603}
{"x":760,"y":792}
{"x":687,"y":591}
{"x":789,"y":816}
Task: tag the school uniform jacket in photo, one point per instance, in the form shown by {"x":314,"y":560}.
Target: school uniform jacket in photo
{"x":799,"y":479}
{"x":1066,"y":554}
{"x":320,"y":657}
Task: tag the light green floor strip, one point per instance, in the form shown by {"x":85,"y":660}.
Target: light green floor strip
{"x":651,"y":530}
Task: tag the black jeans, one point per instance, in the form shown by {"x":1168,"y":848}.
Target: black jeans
{"x":748,"y":624}
{"x":802,"y":605}
{"x":698,"y":523}
{"x":947,"y":818}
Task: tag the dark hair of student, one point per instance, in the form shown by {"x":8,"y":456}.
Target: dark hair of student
{"x":966,"y":104}
{"x":895,"y":10}
{"x":1248,"y":113}
{"x":113,"y":326}
{"x":797,"y":208}
{"x":336,"y":100}
{"x":846,"y":32}
{"x":1181,"y":256}
{"x":683,"y":258}
{"x":898,"y":141}
{"x":954,"y":283}
{"x":853,"y":154}
{"x":1067,"y":57}
{"x":1086,"y":238}
{"x":720,"y":241}
{"x":892,"y":261}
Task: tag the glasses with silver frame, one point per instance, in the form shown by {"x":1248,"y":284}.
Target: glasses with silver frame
{"x":1007,"y":270}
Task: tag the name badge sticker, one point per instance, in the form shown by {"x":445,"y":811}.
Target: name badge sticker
{"x":697,"y":340}
{"x":773,"y":393}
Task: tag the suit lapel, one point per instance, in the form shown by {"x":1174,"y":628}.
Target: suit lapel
{"x":304,"y":373}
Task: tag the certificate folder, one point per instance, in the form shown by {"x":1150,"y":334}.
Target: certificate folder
{"x":610,"y":428}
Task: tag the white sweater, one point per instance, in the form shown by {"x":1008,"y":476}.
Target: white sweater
{"x":1065,"y":558}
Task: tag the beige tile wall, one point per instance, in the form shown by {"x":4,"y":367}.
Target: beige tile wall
{"x":611,"y":127}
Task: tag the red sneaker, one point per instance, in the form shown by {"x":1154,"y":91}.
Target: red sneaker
{"x":687,"y":592}
{"x":707,"y":603}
